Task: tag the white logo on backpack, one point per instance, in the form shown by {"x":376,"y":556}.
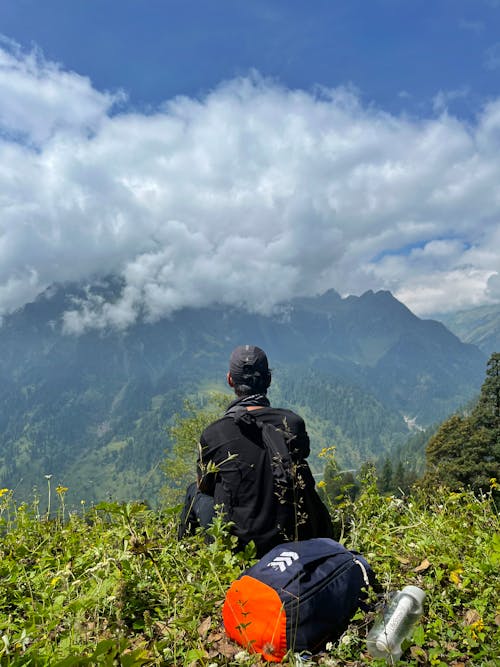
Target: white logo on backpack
{"x":283,"y":560}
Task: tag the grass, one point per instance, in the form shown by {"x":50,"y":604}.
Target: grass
{"x":112,"y":585}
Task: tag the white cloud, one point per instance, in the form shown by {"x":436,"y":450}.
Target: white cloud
{"x":249,"y":196}
{"x":444,"y":98}
{"x":39,"y":98}
{"x":493,"y":289}
{"x":442,"y":289}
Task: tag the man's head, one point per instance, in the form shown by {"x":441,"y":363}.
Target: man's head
{"x":248,"y":370}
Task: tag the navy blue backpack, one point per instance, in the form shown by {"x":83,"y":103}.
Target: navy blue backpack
{"x":298,"y":597}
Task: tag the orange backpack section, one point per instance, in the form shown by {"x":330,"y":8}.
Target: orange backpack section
{"x":254,"y":617}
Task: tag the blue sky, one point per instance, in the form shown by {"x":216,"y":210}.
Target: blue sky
{"x":197,"y":146}
{"x":399,"y":53}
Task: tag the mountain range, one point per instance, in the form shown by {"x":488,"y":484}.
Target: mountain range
{"x":479,"y":326}
{"x":94,"y":410}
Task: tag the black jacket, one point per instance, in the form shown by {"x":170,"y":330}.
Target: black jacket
{"x":234,"y":467}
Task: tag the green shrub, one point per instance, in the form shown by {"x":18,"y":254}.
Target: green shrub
{"x":113,"y":585}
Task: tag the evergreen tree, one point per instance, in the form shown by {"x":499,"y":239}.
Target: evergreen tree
{"x":465,"y":451}
{"x":398,"y":481}
{"x":385,"y":476}
{"x":487,"y":412}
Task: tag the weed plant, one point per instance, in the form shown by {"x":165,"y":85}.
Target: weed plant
{"x":113,"y":586}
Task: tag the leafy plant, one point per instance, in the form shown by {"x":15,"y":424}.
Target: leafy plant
{"x":114,"y":586}
{"x":180,"y":463}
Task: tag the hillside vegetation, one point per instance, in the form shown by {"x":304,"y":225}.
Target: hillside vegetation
{"x":94,"y":410}
{"x":111,"y":585}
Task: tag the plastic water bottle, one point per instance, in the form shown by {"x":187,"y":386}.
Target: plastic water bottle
{"x":395,"y":623}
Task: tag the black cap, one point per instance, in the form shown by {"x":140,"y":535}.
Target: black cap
{"x":248,"y":366}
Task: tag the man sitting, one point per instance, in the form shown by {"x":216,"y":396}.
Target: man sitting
{"x":259,"y":478}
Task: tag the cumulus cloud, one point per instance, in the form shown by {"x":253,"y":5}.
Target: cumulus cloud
{"x":40,"y":99}
{"x":249,"y":196}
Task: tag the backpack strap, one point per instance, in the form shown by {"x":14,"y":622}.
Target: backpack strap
{"x":275,"y":441}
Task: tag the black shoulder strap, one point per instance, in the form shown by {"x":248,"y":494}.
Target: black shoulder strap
{"x":275,"y":441}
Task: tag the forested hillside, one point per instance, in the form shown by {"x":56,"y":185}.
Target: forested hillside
{"x":94,"y":410}
{"x":111,"y":584}
{"x":465,"y":450}
{"x":354,"y":421}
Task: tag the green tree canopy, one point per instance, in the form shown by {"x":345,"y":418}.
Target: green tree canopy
{"x":180,"y":463}
{"x":465,"y":451}
{"x":487,"y":411}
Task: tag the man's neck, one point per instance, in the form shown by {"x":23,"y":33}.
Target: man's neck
{"x":253,"y":402}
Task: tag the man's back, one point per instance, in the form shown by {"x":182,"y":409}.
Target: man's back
{"x":252,"y":463}
{"x":243,"y":481}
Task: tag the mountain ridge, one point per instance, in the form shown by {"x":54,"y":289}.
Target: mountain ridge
{"x":98,"y":406}
{"x":479,"y":326}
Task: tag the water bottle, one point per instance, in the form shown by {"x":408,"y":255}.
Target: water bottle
{"x":395,"y":623}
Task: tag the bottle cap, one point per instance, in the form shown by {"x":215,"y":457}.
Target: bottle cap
{"x":415,"y":592}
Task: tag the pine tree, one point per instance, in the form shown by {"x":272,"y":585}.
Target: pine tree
{"x":385,"y":476}
{"x":399,"y":478}
{"x":465,"y":451}
{"x":487,"y":412}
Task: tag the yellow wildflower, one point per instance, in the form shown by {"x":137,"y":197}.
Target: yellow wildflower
{"x":326,"y":451}
{"x":455,"y":576}
{"x":494,"y":484}
{"x":61,"y":490}
{"x":321,"y":484}
{"x":476,"y":627}
{"x":3,"y":492}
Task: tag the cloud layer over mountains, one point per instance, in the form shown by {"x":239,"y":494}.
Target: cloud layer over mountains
{"x":250,"y":195}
